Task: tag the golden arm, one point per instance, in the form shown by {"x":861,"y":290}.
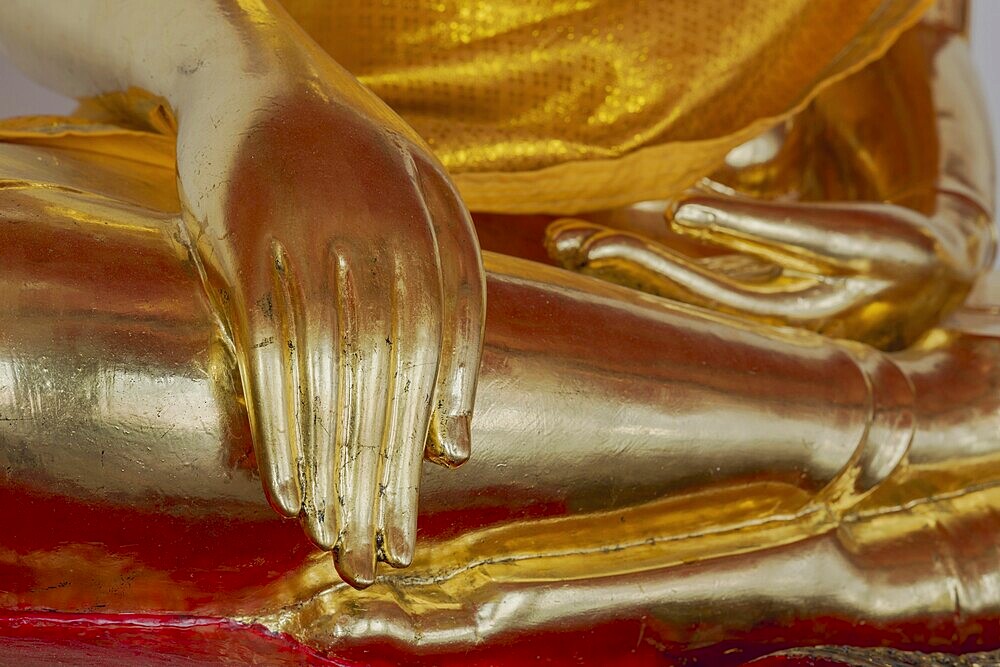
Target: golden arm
{"x":331,"y":243}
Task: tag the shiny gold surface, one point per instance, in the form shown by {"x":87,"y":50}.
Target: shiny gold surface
{"x":354,"y":305}
{"x":236,"y":282}
{"x":532,"y":105}
{"x":901,"y":250}
{"x":560,"y":107}
{"x":140,"y":412}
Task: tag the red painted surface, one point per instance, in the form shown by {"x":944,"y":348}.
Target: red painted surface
{"x":181,"y":565}
{"x":99,"y":640}
{"x":46,"y":639}
{"x":206,"y":552}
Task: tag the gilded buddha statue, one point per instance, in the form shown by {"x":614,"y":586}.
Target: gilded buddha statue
{"x":710,"y":370}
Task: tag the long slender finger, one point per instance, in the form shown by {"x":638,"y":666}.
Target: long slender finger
{"x":272,"y":374}
{"x":320,"y":355}
{"x":463,"y":315}
{"x":817,"y":238}
{"x":416,"y":354}
{"x":364,"y":324}
{"x":633,"y":261}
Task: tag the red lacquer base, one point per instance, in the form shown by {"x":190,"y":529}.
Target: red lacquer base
{"x":33,"y":639}
{"x":46,"y":639}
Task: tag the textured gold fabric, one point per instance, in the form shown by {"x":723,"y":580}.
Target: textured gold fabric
{"x":554,"y":106}
{"x":567,"y":105}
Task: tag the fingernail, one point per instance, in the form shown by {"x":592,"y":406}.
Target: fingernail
{"x":398,"y":547}
{"x":320,"y":533}
{"x":284,"y":497}
{"x":354,"y":566}
{"x":455,"y":440}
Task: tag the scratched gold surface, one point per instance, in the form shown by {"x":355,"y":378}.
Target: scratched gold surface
{"x":694,"y":467}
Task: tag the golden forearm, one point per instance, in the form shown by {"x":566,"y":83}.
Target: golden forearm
{"x":950,"y":15}
{"x":220,"y":65}
{"x":966,"y":165}
{"x":210,"y":62}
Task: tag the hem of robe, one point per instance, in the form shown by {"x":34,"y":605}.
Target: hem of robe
{"x":567,"y":188}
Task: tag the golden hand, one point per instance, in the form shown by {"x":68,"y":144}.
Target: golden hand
{"x":335,"y":249}
{"x":873,"y":272}
{"x":344,"y":263}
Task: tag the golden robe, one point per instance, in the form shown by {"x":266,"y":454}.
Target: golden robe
{"x":562,"y":106}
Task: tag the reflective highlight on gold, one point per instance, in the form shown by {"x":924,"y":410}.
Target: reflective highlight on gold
{"x":236,"y":288}
{"x":143,"y":416}
{"x":881,"y":270}
{"x":329,"y":301}
{"x":560,"y":107}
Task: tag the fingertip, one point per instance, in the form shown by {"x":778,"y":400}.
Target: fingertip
{"x":695,"y":214}
{"x":451,"y":440}
{"x":321,"y":532}
{"x":355,"y":566}
{"x":398,"y":544}
{"x":565,"y":238}
{"x":284,"y":496}
{"x":273,"y":434}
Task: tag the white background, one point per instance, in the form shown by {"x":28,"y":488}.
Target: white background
{"x":19,"y":95}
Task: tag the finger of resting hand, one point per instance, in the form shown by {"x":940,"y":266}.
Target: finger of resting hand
{"x":362,"y":313}
{"x":273,"y":387}
{"x":416,"y":353}
{"x":463,"y":316}
{"x":638,"y":262}
{"x":634,"y":261}
{"x":567,"y":241}
{"x":565,"y":238}
{"x":320,"y":354}
{"x":812,"y":237}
